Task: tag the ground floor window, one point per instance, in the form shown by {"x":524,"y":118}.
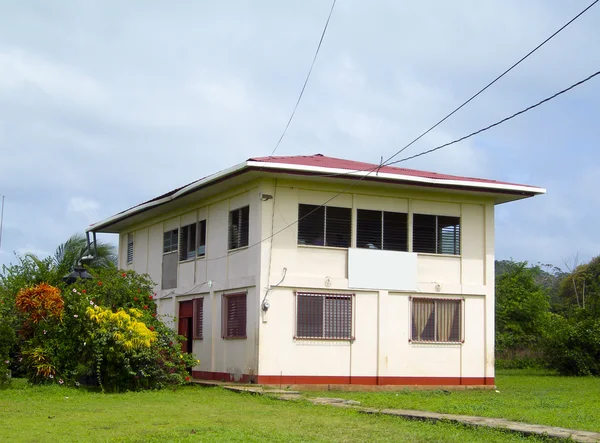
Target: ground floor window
{"x":234,"y":315}
{"x":436,"y":320}
{"x":324,"y":316}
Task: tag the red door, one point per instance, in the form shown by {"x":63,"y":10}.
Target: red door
{"x":185,"y":327}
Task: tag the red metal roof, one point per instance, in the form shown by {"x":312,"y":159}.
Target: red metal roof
{"x":319,"y":160}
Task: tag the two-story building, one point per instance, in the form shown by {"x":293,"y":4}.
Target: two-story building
{"x":317,"y":270}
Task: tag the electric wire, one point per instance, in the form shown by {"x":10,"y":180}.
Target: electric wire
{"x":522,"y":111}
{"x":387,"y":162}
{"x":306,"y":81}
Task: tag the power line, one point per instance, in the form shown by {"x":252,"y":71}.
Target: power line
{"x":306,"y":81}
{"x":498,"y":122}
{"x":489,"y":84}
{"x":289,"y":225}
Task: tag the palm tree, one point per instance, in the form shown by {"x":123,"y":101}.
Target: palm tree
{"x":71,"y":253}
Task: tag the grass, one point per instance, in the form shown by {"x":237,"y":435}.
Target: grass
{"x":195,"y":414}
{"x":537,"y":397}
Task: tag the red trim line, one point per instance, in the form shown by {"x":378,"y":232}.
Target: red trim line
{"x":372,"y":381}
{"x":345,"y":380}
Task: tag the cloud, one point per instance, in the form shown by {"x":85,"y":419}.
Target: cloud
{"x":85,"y":207}
{"x":102,"y":107}
{"x":22,"y":73}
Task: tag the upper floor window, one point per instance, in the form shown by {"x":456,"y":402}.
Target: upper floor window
{"x":129,"y":248}
{"x":170,"y":240}
{"x":436,"y":320}
{"x":169,"y":262}
{"x":382,"y":230}
{"x":324,"y":226}
{"x":187,"y":242}
{"x":201,"y":248}
{"x":239,"y":226}
{"x":436,"y":234}
{"x":324,"y":316}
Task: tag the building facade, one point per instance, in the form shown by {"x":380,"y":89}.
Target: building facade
{"x":315,"y":270}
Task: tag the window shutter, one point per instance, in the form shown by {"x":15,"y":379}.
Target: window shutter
{"x":338,"y":227}
{"x":234,"y":316}
{"x":130,"y":248}
{"x":198,"y":317}
{"x":369,"y":229}
{"x":239,"y":227}
{"x":324,"y":316}
{"x":309,"y":323}
{"x":424,"y":233}
{"x":183,"y":241}
{"x":201,"y":238}
{"x":395,"y":231}
{"x":449,"y":235}
{"x":170,"y":240}
{"x":244,"y":226}
{"x":311,"y":225}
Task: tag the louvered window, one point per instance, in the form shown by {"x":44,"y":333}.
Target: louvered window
{"x":436,"y":234}
{"x":170,"y":240}
{"x":382,"y":230}
{"x":436,"y":320}
{"x":187,"y":242}
{"x":324,"y":316}
{"x":234,"y":316}
{"x":130,"y":248}
{"x":239,"y":225}
{"x":201,"y":250}
{"x":198,"y":318}
{"x":324,"y":226}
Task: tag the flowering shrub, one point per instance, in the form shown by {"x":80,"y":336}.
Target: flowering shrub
{"x":101,"y":332}
{"x":40,"y":302}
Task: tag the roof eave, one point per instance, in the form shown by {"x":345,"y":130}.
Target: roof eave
{"x":438,"y":182}
{"x":520,"y":191}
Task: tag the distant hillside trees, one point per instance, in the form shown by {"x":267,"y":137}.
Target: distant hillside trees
{"x":547,"y":316}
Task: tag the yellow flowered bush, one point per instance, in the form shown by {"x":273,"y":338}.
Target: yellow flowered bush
{"x":124,"y":327}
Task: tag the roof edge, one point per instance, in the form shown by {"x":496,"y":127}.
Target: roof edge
{"x":326,"y":171}
{"x":182,"y":191}
{"x":533,"y":190}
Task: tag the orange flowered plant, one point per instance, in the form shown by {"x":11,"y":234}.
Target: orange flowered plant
{"x":40,"y":302}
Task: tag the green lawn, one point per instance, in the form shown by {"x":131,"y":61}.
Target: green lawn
{"x":537,"y":397}
{"x":195,"y":414}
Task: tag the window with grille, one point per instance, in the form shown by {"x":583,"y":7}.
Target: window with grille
{"x":170,"y":240}
{"x":239,"y":224}
{"x":382,"y":230}
{"x":130,"y":248}
{"x":201,"y":249}
{"x":234,"y":316}
{"x":198,"y":318}
{"x":187,"y":242}
{"x":324,"y":316}
{"x":324,"y":226}
{"x":436,"y":320}
{"x":436,"y":234}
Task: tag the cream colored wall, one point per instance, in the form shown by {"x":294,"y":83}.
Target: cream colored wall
{"x":382,"y":318}
{"x":219,"y":272}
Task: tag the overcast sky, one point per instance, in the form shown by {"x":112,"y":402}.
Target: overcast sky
{"x":105,"y":104}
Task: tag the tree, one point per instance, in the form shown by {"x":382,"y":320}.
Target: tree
{"x":522,"y":308}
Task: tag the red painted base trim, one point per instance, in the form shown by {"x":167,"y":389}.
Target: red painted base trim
{"x":373,"y":381}
{"x":344,"y":380}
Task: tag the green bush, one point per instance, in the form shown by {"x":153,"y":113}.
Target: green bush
{"x":102,"y":332}
{"x":572,"y":346}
